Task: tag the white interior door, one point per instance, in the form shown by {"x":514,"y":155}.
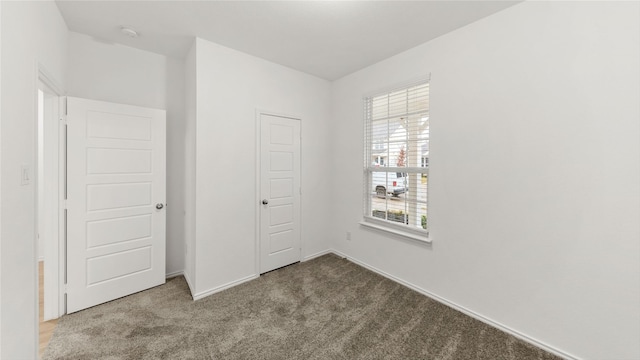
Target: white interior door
{"x":115,"y":201}
{"x":280,"y":242}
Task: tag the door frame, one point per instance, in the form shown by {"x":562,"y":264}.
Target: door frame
{"x":54,"y":250}
{"x":259,"y":113}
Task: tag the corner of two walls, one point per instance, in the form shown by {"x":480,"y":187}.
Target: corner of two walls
{"x":189,"y":191}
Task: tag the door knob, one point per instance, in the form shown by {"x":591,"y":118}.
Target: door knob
{"x":159,"y":206}
{"x":265,"y":202}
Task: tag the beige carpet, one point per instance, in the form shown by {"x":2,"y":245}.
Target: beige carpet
{"x":326,"y":308}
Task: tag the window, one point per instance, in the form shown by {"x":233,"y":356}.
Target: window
{"x":379,"y":160}
{"x":395,"y":189}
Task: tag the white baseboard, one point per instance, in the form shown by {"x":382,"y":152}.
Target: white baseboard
{"x":318,"y":254}
{"x":462,"y":309}
{"x":174,"y":274}
{"x":217,"y":289}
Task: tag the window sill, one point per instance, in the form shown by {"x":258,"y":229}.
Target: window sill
{"x":406,"y":234}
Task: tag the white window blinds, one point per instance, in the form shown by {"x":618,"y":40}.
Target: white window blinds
{"x":396,"y":154}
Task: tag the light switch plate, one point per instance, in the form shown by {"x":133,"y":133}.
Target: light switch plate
{"x":25,"y":174}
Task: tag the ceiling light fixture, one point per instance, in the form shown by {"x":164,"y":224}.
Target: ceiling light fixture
{"x":127,"y":31}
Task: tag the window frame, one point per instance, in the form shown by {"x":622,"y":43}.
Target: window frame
{"x":368,"y":220}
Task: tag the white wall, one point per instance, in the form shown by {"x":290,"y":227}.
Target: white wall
{"x":121,"y":74}
{"x":230,"y":87}
{"x":534,"y":173}
{"x":32,"y":32}
{"x":0,"y":177}
{"x":190,"y":168}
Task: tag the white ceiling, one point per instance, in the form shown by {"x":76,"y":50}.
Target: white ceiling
{"x":328,"y":39}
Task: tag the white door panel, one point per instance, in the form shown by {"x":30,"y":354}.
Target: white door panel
{"x":118,"y":161}
{"x":113,"y":231}
{"x":280,"y":242}
{"x":116,"y":175}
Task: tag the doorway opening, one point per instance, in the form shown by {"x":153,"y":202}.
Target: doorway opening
{"x":49,"y":182}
